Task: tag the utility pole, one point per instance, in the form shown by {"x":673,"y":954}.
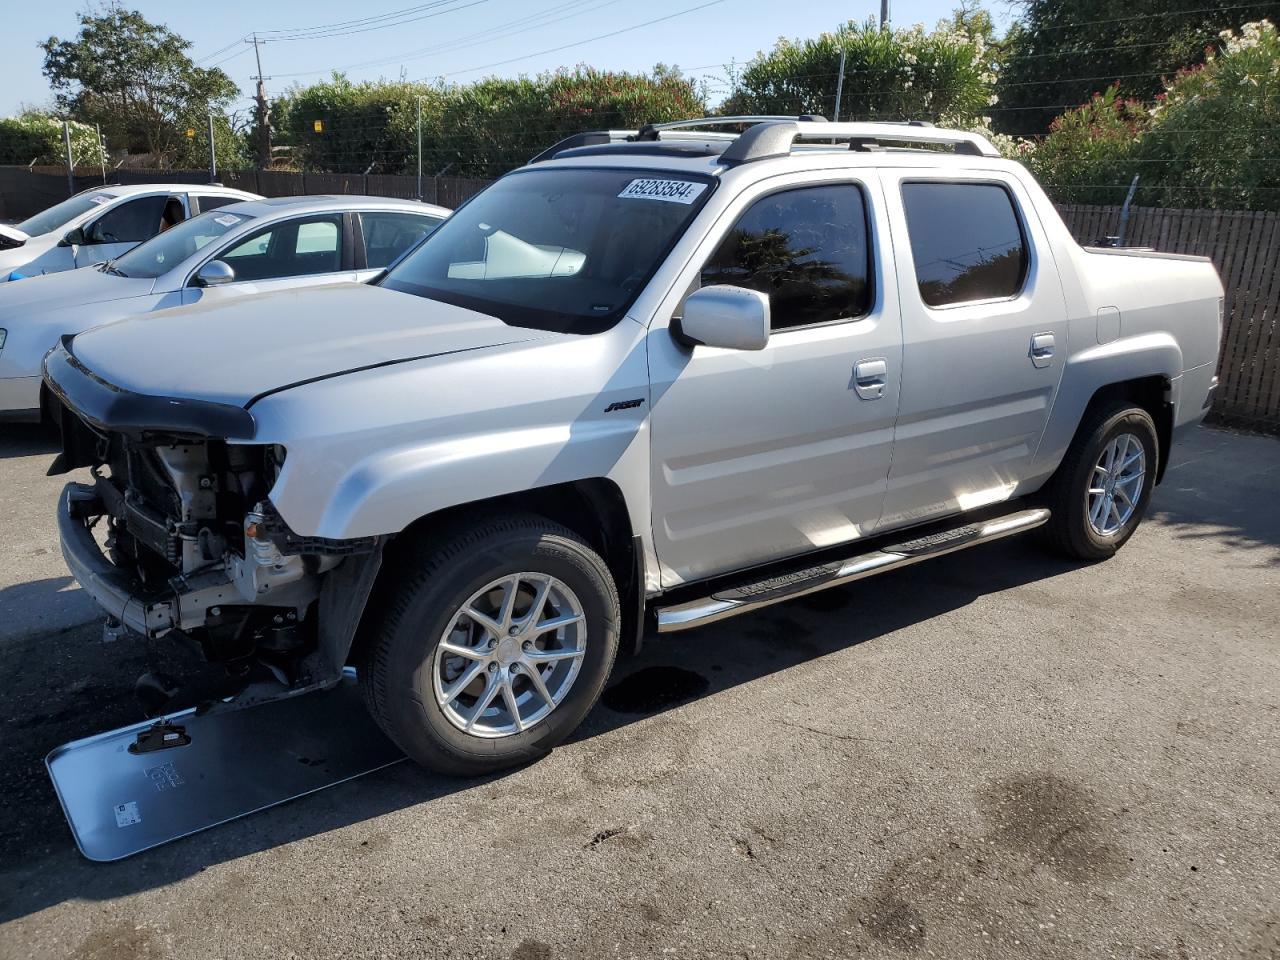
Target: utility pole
{"x":264,"y":114}
{"x":840,"y":84}
{"x":71,"y":164}
{"x":213,"y":154}
{"x":419,"y":148}
{"x":884,"y":18}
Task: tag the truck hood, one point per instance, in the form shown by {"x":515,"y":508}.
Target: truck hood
{"x":236,"y":351}
{"x":41,"y":294}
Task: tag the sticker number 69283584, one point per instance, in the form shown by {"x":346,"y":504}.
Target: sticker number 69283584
{"x":672,"y":191}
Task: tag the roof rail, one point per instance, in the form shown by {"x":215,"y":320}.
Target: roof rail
{"x":773,"y":136}
{"x":774,"y":139}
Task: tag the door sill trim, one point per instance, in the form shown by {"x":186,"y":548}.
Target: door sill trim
{"x":730,"y":602}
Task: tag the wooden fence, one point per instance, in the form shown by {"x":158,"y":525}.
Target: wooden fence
{"x":1245,"y":247}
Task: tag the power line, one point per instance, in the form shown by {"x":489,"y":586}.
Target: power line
{"x":578,"y":43}
{"x":532,"y":21}
{"x":347,"y":28}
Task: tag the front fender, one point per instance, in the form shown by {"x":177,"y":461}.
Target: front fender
{"x":389,"y":490}
{"x":1087,"y":372}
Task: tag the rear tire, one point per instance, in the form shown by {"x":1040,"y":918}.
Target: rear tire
{"x":454,"y":592}
{"x":1101,"y":489}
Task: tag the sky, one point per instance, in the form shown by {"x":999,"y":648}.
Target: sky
{"x":459,"y":40}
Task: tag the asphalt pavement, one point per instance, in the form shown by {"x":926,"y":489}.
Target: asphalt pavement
{"x":992,"y":754}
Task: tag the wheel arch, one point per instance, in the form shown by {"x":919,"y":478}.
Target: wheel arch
{"x":594,"y":508}
{"x":1151,"y":393}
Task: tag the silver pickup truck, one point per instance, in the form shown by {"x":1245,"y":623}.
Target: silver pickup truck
{"x":653,"y":379}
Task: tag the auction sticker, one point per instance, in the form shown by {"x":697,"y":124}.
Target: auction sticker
{"x":227,"y":219}
{"x":127,"y":814}
{"x":100,"y":198}
{"x":672,"y":191}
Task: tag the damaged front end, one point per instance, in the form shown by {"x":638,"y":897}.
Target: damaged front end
{"x":177,"y":536}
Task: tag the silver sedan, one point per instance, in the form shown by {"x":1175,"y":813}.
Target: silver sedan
{"x":251,"y":247}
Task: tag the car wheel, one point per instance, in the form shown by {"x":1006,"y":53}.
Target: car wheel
{"x":1100,"y":492}
{"x":497,"y":641}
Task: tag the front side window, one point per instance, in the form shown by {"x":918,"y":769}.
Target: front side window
{"x":291,"y":249}
{"x":388,"y":234}
{"x":807,"y":249}
{"x":131,"y":222}
{"x":566,"y":250}
{"x":46,"y":221}
{"x":966,"y":241}
{"x":162,"y":253}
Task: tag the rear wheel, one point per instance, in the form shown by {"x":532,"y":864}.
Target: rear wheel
{"x":498,"y":641}
{"x":1103,"y":486}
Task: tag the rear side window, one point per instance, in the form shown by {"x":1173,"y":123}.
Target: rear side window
{"x":131,"y":222}
{"x":387,"y":235}
{"x":807,"y":249}
{"x":966,"y":241}
{"x":208,"y":201}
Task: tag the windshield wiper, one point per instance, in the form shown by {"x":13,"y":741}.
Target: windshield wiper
{"x":111,"y":268}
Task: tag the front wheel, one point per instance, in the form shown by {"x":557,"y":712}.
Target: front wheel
{"x":498,"y":641}
{"x":1101,"y":490}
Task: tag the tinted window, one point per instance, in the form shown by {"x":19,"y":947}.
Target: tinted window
{"x":213,"y":202}
{"x":387,"y":235}
{"x":291,"y":249}
{"x":966,"y":241}
{"x":49,"y":220}
{"x":807,"y":249}
{"x":555,"y":249}
{"x":161,"y":254}
{"x":131,"y":222}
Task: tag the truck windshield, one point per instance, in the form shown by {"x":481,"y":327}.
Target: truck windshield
{"x":565,"y":250}
{"x":46,"y":221}
{"x":166,"y":250}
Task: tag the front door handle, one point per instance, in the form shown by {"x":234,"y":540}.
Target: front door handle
{"x":1042,"y":349}
{"x":869,"y":378}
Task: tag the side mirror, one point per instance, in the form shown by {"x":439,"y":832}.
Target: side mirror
{"x":723,"y":316}
{"x":214,"y":274}
{"x":73,"y":238}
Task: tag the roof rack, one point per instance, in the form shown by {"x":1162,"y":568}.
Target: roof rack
{"x":773,"y":136}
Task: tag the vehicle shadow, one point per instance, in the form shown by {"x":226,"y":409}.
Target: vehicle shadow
{"x":1221,"y":486}
{"x":87,"y":687}
{"x":27,"y":440}
{"x":44,"y":606}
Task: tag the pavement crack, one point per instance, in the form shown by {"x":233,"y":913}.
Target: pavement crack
{"x":829,"y":733}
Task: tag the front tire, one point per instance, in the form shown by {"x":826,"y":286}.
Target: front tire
{"x":497,"y":642}
{"x":1101,"y":490}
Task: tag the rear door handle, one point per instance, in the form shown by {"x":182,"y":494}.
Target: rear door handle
{"x":869,"y":377}
{"x":1042,"y":349}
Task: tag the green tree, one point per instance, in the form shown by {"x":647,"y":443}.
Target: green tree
{"x":1060,"y":52}
{"x":481,"y":129}
{"x":135,"y":79}
{"x":890,"y":74}
{"x":1210,"y":140}
{"x":37,"y":138}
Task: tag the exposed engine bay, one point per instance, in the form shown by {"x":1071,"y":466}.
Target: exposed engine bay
{"x":194,"y":541}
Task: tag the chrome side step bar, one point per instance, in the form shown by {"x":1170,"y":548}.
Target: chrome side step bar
{"x":730,"y":602}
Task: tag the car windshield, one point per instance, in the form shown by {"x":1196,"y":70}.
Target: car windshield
{"x":565,"y":250}
{"x":46,"y":221}
{"x":165,"y":251}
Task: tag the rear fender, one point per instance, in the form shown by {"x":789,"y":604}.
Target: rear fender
{"x":1090,"y":370}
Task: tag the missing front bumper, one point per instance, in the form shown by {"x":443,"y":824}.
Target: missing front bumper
{"x":183,"y":604}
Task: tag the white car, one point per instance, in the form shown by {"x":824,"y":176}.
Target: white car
{"x":252,"y":247}
{"x":96,"y":225}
